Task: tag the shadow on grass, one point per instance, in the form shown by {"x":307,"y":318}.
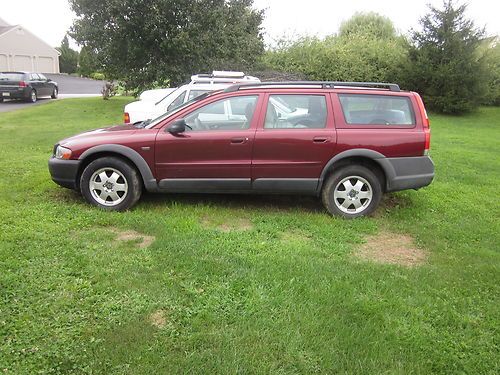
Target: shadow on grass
{"x":239,"y":201}
{"x":262,"y":202}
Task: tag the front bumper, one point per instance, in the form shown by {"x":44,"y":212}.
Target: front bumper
{"x":408,"y":172}
{"x":64,"y":172}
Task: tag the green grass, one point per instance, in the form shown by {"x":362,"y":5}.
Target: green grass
{"x":285,"y":297}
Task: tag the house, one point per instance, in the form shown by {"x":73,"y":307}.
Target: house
{"x":20,"y":50}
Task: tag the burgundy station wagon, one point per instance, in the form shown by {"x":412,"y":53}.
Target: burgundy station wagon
{"x":347,"y":143}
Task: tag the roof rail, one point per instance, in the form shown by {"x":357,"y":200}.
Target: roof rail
{"x":323,"y":84}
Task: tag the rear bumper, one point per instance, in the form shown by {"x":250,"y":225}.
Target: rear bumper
{"x":408,"y":172}
{"x":64,"y":172}
{"x":15,"y":93}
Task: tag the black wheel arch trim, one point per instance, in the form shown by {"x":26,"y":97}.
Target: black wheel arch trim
{"x":377,"y":157}
{"x":143,"y":167}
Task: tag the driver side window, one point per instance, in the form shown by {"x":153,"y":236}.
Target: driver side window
{"x":226,"y":114}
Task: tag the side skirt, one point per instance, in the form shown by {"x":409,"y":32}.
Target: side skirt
{"x":305,"y":186}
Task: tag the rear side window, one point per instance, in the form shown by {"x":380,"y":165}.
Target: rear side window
{"x":296,"y":112}
{"x":366,"y":109}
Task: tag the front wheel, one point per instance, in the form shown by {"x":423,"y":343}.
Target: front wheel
{"x":55,"y":92}
{"x":352,"y":191}
{"x":111,"y":183}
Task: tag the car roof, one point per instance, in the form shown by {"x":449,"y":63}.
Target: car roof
{"x":377,"y":86}
{"x":206,"y":86}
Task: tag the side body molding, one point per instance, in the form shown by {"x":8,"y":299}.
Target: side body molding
{"x":377,"y":157}
{"x":147,"y":176}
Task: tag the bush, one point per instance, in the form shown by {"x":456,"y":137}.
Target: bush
{"x":367,"y":48}
{"x":98,"y":76}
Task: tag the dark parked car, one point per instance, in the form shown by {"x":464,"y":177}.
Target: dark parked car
{"x":26,"y":86}
{"x":347,"y":143}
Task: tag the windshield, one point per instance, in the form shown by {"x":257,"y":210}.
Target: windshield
{"x":150,"y":123}
{"x":166,"y":96}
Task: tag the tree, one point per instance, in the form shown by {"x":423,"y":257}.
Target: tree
{"x":68,"y":61}
{"x":445,"y":65}
{"x":157,"y":40}
{"x":87,"y":62}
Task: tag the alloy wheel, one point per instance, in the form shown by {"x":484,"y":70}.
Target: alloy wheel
{"x":353,"y":194}
{"x":108,"y":186}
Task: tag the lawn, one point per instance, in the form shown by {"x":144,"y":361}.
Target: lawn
{"x":241,"y":284}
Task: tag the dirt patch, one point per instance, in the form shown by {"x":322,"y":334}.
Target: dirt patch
{"x":230,"y":225}
{"x":158,"y":319}
{"x":392,"y":248}
{"x":142,"y":240}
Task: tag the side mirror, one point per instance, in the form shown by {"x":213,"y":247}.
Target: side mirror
{"x":178,"y":126}
{"x":49,"y":80}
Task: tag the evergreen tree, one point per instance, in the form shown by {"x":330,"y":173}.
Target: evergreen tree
{"x":445,"y":66}
{"x":68,"y":61}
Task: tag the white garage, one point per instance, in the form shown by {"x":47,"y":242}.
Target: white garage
{"x":24,"y":51}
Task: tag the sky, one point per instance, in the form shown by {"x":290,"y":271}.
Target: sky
{"x":50,"y":19}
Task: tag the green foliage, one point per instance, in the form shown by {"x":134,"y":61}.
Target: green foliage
{"x":68,"y":61}
{"x":445,"y":65}
{"x":286,"y":296}
{"x":141,"y":42}
{"x":367,"y":48}
{"x":97,"y":75}
{"x":490,"y":57}
{"x":88,"y":63}
{"x":370,"y":23}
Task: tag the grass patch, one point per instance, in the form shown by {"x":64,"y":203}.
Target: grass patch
{"x":282,"y":295}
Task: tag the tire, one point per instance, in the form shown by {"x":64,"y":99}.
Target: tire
{"x":351,"y":192}
{"x":33,"y":97}
{"x":111,"y":183}
{"x":55,"y":92}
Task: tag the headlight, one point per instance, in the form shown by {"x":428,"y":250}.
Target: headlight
{"x":62,"y":152}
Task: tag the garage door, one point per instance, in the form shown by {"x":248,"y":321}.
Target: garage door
{"x":3,"y":63}
{"x":45,"y":65}
{"x":22,"y":63}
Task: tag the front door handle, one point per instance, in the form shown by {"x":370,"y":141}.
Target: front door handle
{"x":320,"y":139}
{"x":237,"y":140}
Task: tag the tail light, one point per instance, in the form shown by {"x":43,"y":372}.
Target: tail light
{"x":426,"y":123}
{"x":23,"y":84}
{"x":126,"y":118}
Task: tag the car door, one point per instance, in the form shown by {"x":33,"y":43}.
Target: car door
{"x":46,"y":85}
{"x":295,"y":140}
{"x":214,"y":153}
{"x":36,"y":84}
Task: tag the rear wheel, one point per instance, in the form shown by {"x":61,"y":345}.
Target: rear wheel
{"x":33,"y":97}
{"x":352,"y":191}
{"x":111,"y":183}
{"x":55,"y":92}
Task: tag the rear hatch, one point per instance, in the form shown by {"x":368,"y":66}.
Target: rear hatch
{"x":9,"y":81}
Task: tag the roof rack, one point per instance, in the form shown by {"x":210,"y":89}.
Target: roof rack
{"x":316,"y":84}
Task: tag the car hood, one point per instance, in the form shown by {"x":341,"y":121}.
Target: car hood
{"x":100,"y":135}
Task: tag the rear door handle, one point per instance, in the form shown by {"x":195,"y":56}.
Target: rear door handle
{"x":239,"y":140}
{"x":320,"y":139}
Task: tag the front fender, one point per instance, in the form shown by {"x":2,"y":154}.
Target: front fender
{"x":141,"y":164}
